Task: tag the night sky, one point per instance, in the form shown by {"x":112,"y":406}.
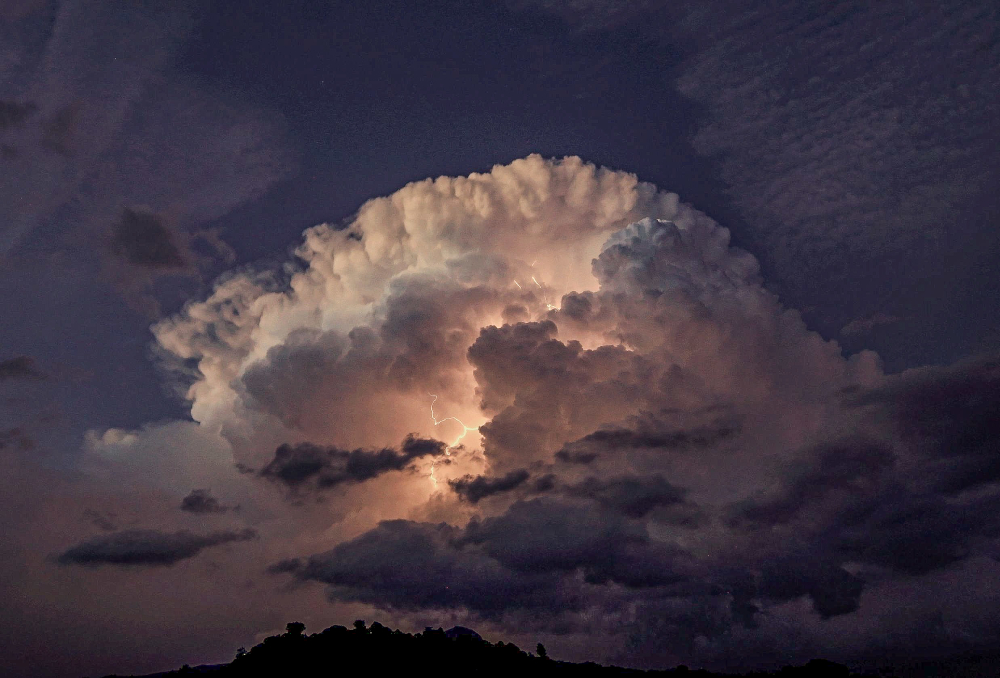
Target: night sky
{"x":659,"y":332}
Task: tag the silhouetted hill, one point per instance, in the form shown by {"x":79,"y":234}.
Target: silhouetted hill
{"x":461,"y":652}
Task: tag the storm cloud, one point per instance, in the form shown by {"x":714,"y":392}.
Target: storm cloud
{"x":475,"y":488}
{"x":147,"y":547}
{"x":602,"y":407}
{"x":327,"y":467}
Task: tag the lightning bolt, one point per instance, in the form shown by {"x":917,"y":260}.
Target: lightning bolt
{"x":518,"y":285}
{"x":536,"y":282}
{"x":438,"y":422}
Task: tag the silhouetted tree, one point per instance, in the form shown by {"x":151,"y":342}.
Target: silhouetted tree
{"x":380,"y":651}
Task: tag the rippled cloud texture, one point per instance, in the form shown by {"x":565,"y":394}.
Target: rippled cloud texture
{"x":635,"y":451}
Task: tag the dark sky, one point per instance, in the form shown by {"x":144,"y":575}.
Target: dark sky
{"x":761,"y":432}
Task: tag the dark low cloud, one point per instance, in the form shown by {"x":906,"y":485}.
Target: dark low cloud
{"x":868,"y":501}
{"x":143,"y":238}
{"x":529,"y":556}
{"x":305,"y":464}
{"x":921,"y":497}
{"x":147,"y":547}
{"x":853,"y":468}
{"x":948,"y":416}
{"x":634,"y":496}
{"x":646,"y":436}
{"x":555,"y":535}
{"x":19,"y":367}
{"x":406,"y":565}
{"x":832,"y":590}
{"x":202,"y":501}
{"x":475,"y":488}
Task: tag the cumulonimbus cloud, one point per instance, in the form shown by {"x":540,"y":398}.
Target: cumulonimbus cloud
{"x":604,"y":408}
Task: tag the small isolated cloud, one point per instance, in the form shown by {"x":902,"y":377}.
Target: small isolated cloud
{"x":147,"y":547}
{"x":143,"y":246}
{"x":19,"y":367}
{"x":202,"y":501}
{"x":143,"y":238}
{"x":302,"y":465}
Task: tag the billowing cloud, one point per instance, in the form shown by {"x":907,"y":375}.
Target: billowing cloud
{"x":147,"y":547}
{"x":610,"y":428}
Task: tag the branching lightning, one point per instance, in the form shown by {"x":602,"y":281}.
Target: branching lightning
{"x":438,"y":422}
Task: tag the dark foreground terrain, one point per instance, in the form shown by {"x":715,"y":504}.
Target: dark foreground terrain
{"x":378,"y":651}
